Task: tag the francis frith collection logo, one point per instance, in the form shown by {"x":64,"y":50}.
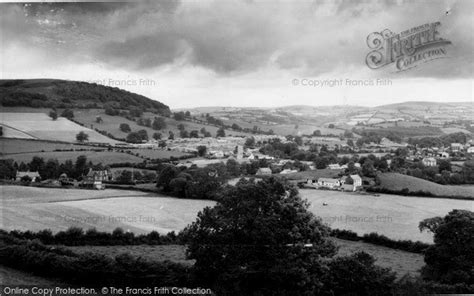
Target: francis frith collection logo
{"x":407,"y":49}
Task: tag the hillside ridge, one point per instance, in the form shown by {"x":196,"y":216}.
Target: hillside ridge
{"x":56,"y":93}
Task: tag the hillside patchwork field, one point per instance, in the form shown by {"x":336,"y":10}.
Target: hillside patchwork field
{"x":41,"y":126}
{"x":23,"y":150}
{"x":110,"y":124}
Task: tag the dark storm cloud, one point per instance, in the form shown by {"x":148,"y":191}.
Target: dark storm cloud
{"x":231,"y":37}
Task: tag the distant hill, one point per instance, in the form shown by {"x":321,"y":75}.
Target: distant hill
{"x":53,"y":93}
{"x":424,"y":105}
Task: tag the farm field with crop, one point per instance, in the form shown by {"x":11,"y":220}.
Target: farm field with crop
{"x":37,"y":208}
{"x":31,"y":208}
{"x":394,"y":216}
{"x":395,"y":181}
{"x":41,"y":126}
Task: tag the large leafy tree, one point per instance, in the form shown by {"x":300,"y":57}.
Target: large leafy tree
{"x":259,"y":239}
{"x":82,"y":137}
{"x":159,"y":123}
{"x":206,"y":182}
{"x":220,"y":133}
{"x":165,"y":176}
{"x":451,"y":259}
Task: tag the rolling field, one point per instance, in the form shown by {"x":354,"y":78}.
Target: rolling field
{"x":395,"y":181}
{"x":452,"y":130}
{"x":303,"y":129}
{"x":37,"y":208}
{"x":104,"y":157}
{"x":394,"y":216}
{"x":21,"y":149}
{"x":33,"y":208}
{"x":41,"y":126}
{"x":15,"y":146}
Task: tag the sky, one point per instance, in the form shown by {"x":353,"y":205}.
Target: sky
{"x":238,"y":53}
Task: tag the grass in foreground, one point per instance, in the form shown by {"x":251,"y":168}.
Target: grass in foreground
{"x":400,"y":261}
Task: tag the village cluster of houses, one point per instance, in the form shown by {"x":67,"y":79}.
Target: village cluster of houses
{"x":430,"y":156}
{"x":94,"y":179}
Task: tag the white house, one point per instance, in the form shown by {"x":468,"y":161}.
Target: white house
{"x":217,"y":154}
{"x":240,"y":152}
{"x":33,"y":175}
{"x":264,"y":172}
{"x":94,"y":179}
{"x":288,"y":171}
{"x":334,"y":166}
{"x":429,"y":161}
{"x":456,"y":147}
{"x":329,"y":183}
{"x":263,"y":156}
{"x":357,"y":180}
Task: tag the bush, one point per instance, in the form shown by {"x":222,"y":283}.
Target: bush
{"x":405,"y":245}
{"x":92,"y":269}
{"x":67,"y":113}
{"x":124,"y":127}
{"x":357,"y":275}
{"x":74,"y":236}
{"x":382,"y":240}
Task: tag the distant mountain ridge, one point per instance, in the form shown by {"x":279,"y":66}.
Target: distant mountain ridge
{"x":406,"y":104}
{"x":55,"y":93}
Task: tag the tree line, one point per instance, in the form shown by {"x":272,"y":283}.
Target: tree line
{"x":49,"y":169}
